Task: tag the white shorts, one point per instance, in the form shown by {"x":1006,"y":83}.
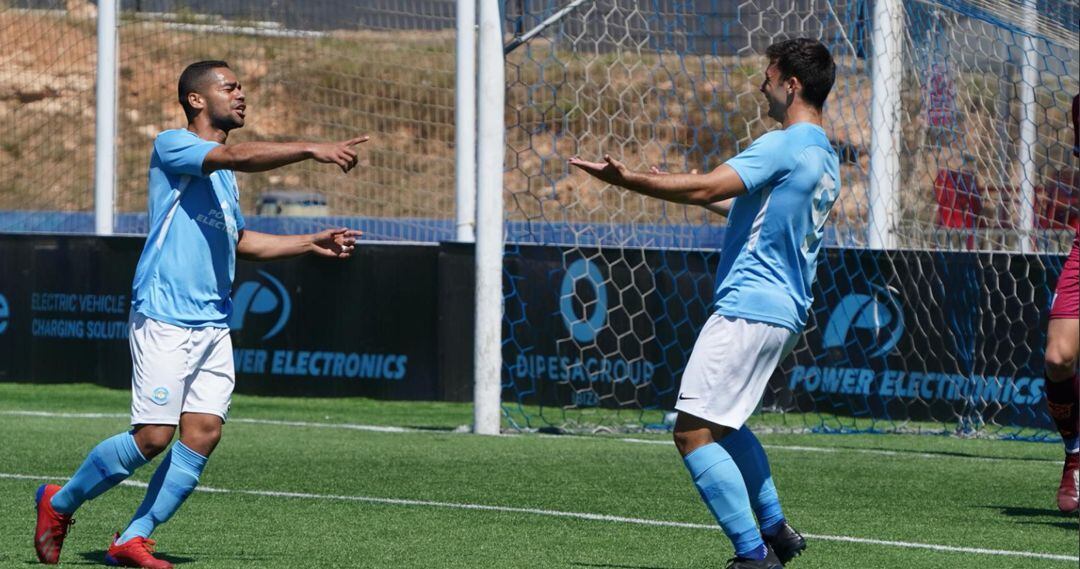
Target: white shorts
{"x":730,"y":367}
{"x":178,"y":370}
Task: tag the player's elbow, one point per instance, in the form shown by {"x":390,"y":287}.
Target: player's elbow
{"x":246,"y":254}
{"x":253,"y":246}
{"x":244,"y":247}
{"x":705,"y":196}
{"x":716,"y":186}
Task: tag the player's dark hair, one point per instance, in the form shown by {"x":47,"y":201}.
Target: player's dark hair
{"x":192,"y":79}
{"x":810,"y":62}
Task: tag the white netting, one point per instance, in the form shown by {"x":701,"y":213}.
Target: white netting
{"x":48,"y":59}
{"x":319,"y":70}
{"x":675,"y":84}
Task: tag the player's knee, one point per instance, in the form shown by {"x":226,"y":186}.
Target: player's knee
{"x":208,"y":435}
{"x":1060,"y":362}
{"x":154,"y":447}
{"x":681,"y":441}
{"x":202,"y":440}
{"x":689,"y":441}
{"x":152,"y":442}
{"x":212,"y":435}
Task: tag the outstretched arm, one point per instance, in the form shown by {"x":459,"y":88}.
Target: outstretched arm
{"x":262,"y":156}
{"x":334,"y":243}
{"x":721,"y":208}
{"x":695,"y":189}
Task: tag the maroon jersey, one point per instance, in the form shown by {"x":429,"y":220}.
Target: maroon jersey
{"x":1067,"y":296}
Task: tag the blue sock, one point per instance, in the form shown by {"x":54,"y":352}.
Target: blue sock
{"x":747,"y":453}
{"x":173,"y":481}
{"x":724,"y":492}
{"x":111,"y":461}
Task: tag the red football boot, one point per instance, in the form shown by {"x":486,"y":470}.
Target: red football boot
{"x":1068,"y":495}
{"x":135,"y":552}
{"x":52,"y":526}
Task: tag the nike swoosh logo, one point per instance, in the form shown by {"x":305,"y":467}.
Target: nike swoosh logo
{"x":684,"y":398}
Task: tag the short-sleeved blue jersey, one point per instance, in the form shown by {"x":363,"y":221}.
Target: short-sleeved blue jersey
{"x":774,"y":233}
{"x":185,"y":273}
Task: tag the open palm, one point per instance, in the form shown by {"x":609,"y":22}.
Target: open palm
{"x":338,"y":243}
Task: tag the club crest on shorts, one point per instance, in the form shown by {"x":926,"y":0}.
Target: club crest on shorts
{"x":160,"y":395}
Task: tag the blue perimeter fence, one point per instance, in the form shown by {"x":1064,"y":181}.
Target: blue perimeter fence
{"x":536,"y":232}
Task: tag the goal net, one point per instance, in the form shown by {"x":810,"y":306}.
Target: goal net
{"x":942,"y":250}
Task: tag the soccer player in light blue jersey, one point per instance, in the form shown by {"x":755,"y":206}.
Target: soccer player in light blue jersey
{"x":178,"y":329}
{"x":783,"y":185}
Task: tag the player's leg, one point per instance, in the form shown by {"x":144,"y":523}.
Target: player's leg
{"x":159,"y":362}
{"x":753,"y":463}
{"x":1062,"y":394}
{"x":749,"y":456}
{"x":721,"y":385}
{"x":206,"y":405}
{"x":719,"y":483}
{"x":108,"y":464}
{"x":1062,"y":345}
{"x":177,"y":475}
{"x":1062,"y":380}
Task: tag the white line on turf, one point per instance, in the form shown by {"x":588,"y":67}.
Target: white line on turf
{"x":578,"y":516}
{"x":879,"y":452}
{"x":64,"y":415}
{"x":390,"y":429}
{"x":349,"y":426}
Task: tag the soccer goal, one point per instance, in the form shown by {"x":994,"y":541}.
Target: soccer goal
{"x":958,"y":195}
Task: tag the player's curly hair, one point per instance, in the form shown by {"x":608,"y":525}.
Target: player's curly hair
{"x":192,"y":79}
{"x":810,"y":62}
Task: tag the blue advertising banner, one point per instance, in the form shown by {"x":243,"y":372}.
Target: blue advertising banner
{"x":921,"y":335}
{"x":319,"y":327}
{"x":593,"y":327}
{"x":65,"y":305}
{"x":909,"y":335}
{"x":305,"y":326}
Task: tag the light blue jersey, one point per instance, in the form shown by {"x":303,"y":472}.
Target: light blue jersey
{"x":185,"y":273}
{"x":774,"y":233}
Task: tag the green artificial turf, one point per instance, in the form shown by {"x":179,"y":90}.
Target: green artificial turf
{"x":988,"y":494}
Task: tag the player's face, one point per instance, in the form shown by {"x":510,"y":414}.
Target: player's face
{"x":225,"y":100}
{"x":777,"y":93}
